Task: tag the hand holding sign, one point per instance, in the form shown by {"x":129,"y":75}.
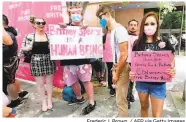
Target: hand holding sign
{"x":84,"y":26}
{"x":171,"y":72}
{"x":62,"y":25}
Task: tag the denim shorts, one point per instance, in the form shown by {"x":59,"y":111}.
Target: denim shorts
{"x":155,"y":90}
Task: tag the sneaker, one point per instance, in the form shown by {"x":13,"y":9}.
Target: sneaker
{"x":76,"y":101}
{"x":112,"y":92}
{"x":15,"y":103}
{"x":129,"y":105}
{"x":23,"y":94}
{"x":88,"y":108}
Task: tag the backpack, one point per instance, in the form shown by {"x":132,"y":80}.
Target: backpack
{"x":68,"y":93}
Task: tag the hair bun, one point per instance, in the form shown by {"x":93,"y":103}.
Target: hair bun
{"x":32,"y":19}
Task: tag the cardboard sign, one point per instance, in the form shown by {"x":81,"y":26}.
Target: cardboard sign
{"x":151,"y":66}
{"x":75,"y":42}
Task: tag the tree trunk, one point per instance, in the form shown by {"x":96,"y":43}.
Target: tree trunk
{"x":184,"y":91}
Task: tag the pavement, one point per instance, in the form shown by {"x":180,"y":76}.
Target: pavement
{"x":174,"y":105}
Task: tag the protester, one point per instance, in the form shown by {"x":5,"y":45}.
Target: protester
{"x":71,"y":72}
{"x":64,"y":25}
{"x":148,"y":40}
{"x":10,"y":29}
{"x":119,"y":39}
{"x":99,"y":67}
{"x":108,"y":58}
{"x":42,"y":68}
{"x":132,"y":31}
{"x":173,"y":41}
{"x":10,"y":65}
{"x":8,"y":42}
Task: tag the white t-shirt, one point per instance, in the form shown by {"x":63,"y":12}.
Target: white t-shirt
{"x":118,"y":35}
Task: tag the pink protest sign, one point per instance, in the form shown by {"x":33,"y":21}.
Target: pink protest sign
{"x":19,"y":13}
{"x":75,"y":43}
{"x":151,"y":66}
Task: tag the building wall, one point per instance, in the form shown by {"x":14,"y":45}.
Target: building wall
{"x":90,"y":15}
{"x":123,"y":16}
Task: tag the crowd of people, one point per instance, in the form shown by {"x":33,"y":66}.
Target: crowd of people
{"x":118,"y":45}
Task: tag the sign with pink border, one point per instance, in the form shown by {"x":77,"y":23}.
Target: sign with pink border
{"x":151,"y":66}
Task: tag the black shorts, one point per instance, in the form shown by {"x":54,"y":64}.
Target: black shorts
{"x":6,"y":81}
{"x":8,"y":78}
{"x":98,"y":65}
{"x":9,"y":74}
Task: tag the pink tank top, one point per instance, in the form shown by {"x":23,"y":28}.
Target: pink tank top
{"x":107,"y":52}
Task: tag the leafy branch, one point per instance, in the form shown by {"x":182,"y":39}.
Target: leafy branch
{"x":164,"y":8}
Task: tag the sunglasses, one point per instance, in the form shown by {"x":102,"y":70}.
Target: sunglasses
{"x":100,"y":16}
{"x":39,"y":23}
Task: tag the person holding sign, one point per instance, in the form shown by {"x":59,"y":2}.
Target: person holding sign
{"x":79,"y":69}
{"x":148,"y":40}
{"x":41,"y":65}
{"x":119,"y":40}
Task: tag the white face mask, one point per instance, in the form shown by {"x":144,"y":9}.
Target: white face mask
{"x":150,"y":30}
{"x":76,"y":17}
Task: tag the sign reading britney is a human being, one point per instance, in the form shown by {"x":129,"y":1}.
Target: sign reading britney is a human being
{"x":75,"y":42}
{"x":151,"y":66}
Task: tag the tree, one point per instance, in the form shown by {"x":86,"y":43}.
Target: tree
{"x":172,"y":20}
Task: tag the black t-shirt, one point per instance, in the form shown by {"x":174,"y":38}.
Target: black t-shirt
{"x":74,"y":61}
{"x":155,"y":47}
{"x":37,"y":46}
{"x":9,"y":51}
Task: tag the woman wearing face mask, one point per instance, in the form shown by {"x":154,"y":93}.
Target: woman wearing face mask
{"x":149,"y":41}
{"x":41,"y":66}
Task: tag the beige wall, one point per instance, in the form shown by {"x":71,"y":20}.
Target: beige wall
{"x":90,"y":15}
{"x":123,"y":16}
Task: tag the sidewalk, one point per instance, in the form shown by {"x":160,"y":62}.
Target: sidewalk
{"x":106,"y":107}
{"x":174,"y":105}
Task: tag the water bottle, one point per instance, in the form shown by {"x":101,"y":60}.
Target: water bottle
{"x":13,"y":113}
